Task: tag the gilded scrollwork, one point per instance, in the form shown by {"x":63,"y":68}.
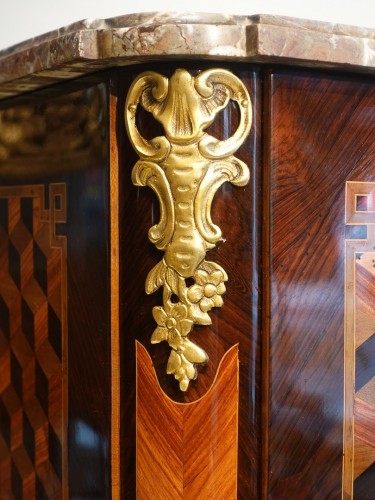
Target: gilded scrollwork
{"x":185,"y":168}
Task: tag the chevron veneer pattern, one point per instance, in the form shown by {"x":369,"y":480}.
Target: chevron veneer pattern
{"x":32,"y":343}
{"x":187,"y":450}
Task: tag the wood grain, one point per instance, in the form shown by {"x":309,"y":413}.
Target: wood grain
{"x":115,"y":302}
{"x":364,"y":418}
{"x":364,"y":458}
{"x":285,"y":294}
{"x":86,"y":419}
{"x":237,"y":212}
{"x":320,"y":135}
{"x":33,"y":339}
{"x":359,"y":361}
{"x":187,"y":450}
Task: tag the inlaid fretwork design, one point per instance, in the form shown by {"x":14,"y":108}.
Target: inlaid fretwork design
{"x":359,"y":415}
{"x":33,"y":344}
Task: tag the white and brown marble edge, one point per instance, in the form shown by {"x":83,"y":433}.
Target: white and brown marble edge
{"x":89,"y":45}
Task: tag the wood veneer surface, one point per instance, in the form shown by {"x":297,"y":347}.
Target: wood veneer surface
{"x":321,"y":134}
{"x":62,"y":139}
{"x":236,"y":211}
{"x":318,"y":135}
{"x":33,"y":339}
{"x":187,"y":450}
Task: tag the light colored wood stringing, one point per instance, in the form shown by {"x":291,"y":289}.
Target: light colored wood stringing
{"x":359,"y":412}
{"x":187,"y":450}
{"x":115,"y":307}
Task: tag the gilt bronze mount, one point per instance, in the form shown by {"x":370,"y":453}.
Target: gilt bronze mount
{"x":185,"y":167}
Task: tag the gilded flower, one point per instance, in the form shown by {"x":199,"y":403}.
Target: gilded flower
{"x":173,"y":324}
{"x":208,"y":289}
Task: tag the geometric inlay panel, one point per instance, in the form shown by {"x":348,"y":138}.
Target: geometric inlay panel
{"x":33,"y":343}
{"x":359,"y":368}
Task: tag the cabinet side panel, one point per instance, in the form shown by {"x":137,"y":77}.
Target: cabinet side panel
{"x":33,"y":361}
{"x":54,"y":251}
{"x":322,"y":135}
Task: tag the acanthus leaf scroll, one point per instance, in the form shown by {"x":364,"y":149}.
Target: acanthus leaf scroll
{"x":185,"y":167}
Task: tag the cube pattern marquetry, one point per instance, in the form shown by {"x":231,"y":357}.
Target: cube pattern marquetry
{"x":32,"y":343}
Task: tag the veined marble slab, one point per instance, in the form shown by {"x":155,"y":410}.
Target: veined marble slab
{"x":89,"y":45}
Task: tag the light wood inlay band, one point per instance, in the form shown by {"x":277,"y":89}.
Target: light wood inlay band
{"x":359,"y":409}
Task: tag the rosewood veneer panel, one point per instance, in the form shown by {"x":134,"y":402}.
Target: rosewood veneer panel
{"x":319,"y":136}
{"x":236,"y":211}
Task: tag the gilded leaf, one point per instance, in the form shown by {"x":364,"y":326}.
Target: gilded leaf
{"x":159,"y":335}
{"x":174,"y":362}
{"x":156,"y":277}
{"x":172,"y":280}
{"x":184,"y":384}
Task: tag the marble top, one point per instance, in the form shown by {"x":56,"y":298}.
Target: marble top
{"x":89,"y":45}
